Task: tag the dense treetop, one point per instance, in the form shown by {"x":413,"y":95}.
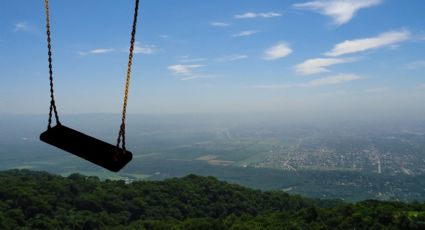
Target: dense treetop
{"x":38,"y":200}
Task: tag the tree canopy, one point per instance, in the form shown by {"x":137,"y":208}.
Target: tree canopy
{"x":39,"y":200}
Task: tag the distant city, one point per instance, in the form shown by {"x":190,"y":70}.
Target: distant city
{"x":333,"y":159}
{"x":395,"y":152}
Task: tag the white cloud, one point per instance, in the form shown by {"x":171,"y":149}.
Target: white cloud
{"x":22,"y":26}
{"x":234,"y":57}
{"x":220,"y":24}
{"x":341,"y":11}
{"x":146,"y":49}
{"x":245,"y":33}
{"x":180,"y":69}
{"x":318,"y":65}
{"x":416,"y":65}
{"x":193,"y":77}
{"x":257,"y":15}
{"x":279,"y":50}
{"x":26,"y":27}
{"x":358,"y":45}
{"x":96,"y":51}
{"x":331,"y":80}
{"x":188,"y":72}
{"x":101,"y":51}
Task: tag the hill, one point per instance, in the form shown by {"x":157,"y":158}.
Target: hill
{"x":39,"y":200}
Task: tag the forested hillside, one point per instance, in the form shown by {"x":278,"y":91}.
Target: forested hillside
{"x":38,"y":200}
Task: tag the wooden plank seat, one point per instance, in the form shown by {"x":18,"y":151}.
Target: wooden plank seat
{"x":96,"y":151}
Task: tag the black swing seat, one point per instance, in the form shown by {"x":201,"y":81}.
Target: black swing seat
{"x":96,"y":151}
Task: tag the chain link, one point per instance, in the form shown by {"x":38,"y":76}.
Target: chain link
{"x":121,"y":135}
{"x":49,"y":46}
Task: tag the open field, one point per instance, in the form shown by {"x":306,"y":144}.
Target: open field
{"x":352,"y":162}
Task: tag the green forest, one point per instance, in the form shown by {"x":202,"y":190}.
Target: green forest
{"x":39,"y":200}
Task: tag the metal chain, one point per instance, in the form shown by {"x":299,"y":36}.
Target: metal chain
{"x":121,"y":135}
{"x":49,"y":46}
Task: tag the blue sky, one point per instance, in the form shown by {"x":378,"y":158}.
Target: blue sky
{"x":304,"y":56}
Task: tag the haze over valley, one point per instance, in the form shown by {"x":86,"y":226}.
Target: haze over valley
{"x":350,"y":160}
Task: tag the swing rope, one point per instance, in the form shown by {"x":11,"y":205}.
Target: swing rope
{"x":121,"y":134}
{"x":52,"y":109}
{"x":49,"y":46}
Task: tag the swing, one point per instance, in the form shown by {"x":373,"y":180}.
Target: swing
{"x":108,"y":156}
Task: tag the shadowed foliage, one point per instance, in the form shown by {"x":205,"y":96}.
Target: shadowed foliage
{"x":38,"y":200}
